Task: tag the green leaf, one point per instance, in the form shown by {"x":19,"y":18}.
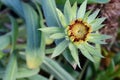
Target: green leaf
{"x":74,"y":53}
{"x":85,"y":52}
{"x":82,"y":10}
{"x":14,"y":5}
{"x":34,"y":55}
{"x":50,"y":12}
{"x":14,"y":32}
{"x":67,"y":12}
{"x":60,"y":48}
{"x":55,"y":69}
{"x":4,"y":41}
{"x":50,"y":30}
{"x":93,"y":16}
{"x":24,"y":72}
{"x":11,"y":70}
{"x":37,"y":77}
{"x":86,"y":15}
{"x":57,"y":36}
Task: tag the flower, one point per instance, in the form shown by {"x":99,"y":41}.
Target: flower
{"x":79,"y":31}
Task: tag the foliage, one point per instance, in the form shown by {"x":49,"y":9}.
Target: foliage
{"x":33,"y":33}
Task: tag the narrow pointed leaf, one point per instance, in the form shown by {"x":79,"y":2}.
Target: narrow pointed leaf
{"x":37,"y":77}
{"x":67,"y":12}
{"x":60,"y":48}
{"x":11,"y":70}
{"x":98,"y":27}
{"x":14,"y":32}
{"x":85,"y":52}
{"x":74,"y":53}
{"x":14,"y":5}
{"x":4,"y":41}
{"x":86,"y":15}
{"x":34,"y":55}
{"x":50,"y":12}
{"x":57,"y":36}
{"x":82,"y":10}
{"x":55,"y":69}
{"x":93,"y":16}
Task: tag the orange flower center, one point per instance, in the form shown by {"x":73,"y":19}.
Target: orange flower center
{"x":78,"y":31}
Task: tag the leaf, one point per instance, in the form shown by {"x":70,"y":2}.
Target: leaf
{"x":24,"y":72}
{"x":60,"y":48}
{"x":57,"y":36}
{"x":50,"y":12}
{"x":14,"y":32}
{"x":37,"y":77}
{"x":10,"y":73}
{"x":15,"y":5}
{"x":55,"y":69}
{"x":74,"y":10}
{"x":34,"y":55}
{"x":67,"y":12}
{"x":4,"y":41}
{"x":82,"y":10}
{"x":74,"y":53}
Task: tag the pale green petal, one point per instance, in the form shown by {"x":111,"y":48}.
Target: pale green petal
{"x":97,"y":22}
{"x":74,"y":10}
{"x":60,"y":48}
{"x":85,"y":52}
{"x":67,"y":12}
{"x":93,"y":16}
{"x":97,"y":27}
{"x":57,"y":36}
{"x":96,"y":41}
{"x":82,"y":10}
{"x":74,"y":53}
{"x":99,"y":36}
{"x":61,"y":17}
{"x":50,"y":30}
{"x":92,"y":50}
{"x":86,"y":15}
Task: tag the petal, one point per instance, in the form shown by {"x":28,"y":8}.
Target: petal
{"x":74,"y":10}
{"x":93,"y":16}
{"x":60,"y":48}
{"x":67,"y":12}
{"x":93,"y":50}
{"x":57,"y":36}
{"x":50,"y":30}
{"x":61,"y":17}
{"x":85,"y":52}
{"x":86,"y":15}
{"x":82,"y":10}
{"x":74,"y":53}
{"x":97,"y":27}
{"x":97,"y":22}
{"x":99,"y":36}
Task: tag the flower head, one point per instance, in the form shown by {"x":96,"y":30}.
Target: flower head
{"x":79,"y":31}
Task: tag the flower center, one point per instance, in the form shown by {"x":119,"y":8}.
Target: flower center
{"x":78,"y":31}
